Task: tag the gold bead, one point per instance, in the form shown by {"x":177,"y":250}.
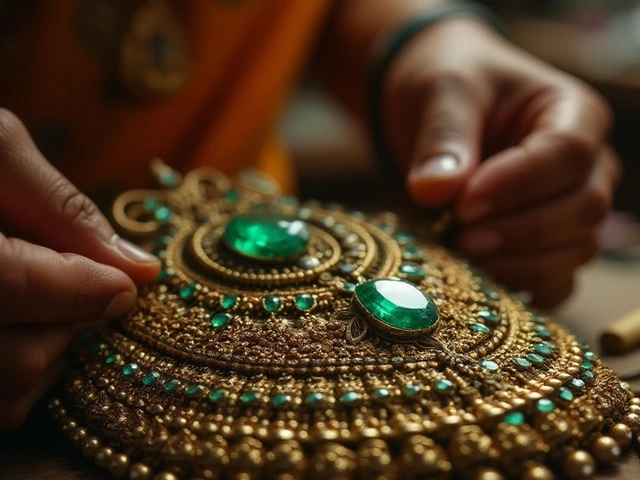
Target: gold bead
{"x":77,"y":436}
{"x":635,"y":401}
{"x":332,"y":461}
{"x":579,"y":465}
{"x":374,"y":460}
{"x":632,"y":420}
{"x":286,"y":458}
{"x":605,"y":450}
{"x":622,"y":434}
{"x":68,"y":426}
{"x":165,"y":476}
{"x":634,"y":409}
{"x":103,"y":456}
{"x":90,"y":447}
{"x":118,"y":465}
{"x":139,"y":471}
{"x":488,"y":474}
{"x":538,"y":472}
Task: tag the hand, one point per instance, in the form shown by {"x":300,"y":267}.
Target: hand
{"x":528,"y":214}
{"x":46,"y":297}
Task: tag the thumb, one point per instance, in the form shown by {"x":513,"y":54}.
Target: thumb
{"x":448,"y":143}
{"x":38,"y":201}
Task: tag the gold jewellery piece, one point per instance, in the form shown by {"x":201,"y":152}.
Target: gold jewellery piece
{"x":287,"y":340}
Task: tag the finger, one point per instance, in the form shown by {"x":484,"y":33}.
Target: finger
{"x":558,"y":222}
{"x":534,"y":272}
{"x":556,"y":154}
{"x":26,"y":352}
{"x":13,"y":411}
{"x":38,"y":285}
{"x":448,"y":143}
{"x":38,"y":201}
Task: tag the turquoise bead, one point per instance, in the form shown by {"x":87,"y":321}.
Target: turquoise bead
{"x":381,"y":394}
{"x":565,"y":394}
{"x":304,"y":301}
{"x":188,"y":291}
{"x":542,"y":349}
{"x":130,"y":368}
{"x":545,"y":405}
{"x":514,"y":418}
{"x":281,"y":399}
{"x":489,"y":365}
{"x":111,"y":359}
{"x":535,"y":358}
{"x":162,"y":215}
{"x":250,"y":397}
{"x":443,"y":385}
{"x":522,"y":362}
{"x":577,"y":383}
{"x":228,"y":301}
{"x":314,"y":398}
{"x":488,"y":316}
{"x":480,"y":328}
{"x":272,"y":303}
{"x":170,"y":385}
{"x":217,"y":394}
{"x":350,"y":398}
{"x":194,"y":390}
{"x":151,"y":378}
{"x":412,"y":391}
{"x":412,"y":270}
{"x":220,"y":320}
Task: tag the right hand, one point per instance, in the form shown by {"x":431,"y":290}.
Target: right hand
{"x":63,"y":269}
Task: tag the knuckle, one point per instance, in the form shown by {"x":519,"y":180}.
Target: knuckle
{"x":577,"y":152}
{"x":74,"y":208}
{"x":593,"y":207}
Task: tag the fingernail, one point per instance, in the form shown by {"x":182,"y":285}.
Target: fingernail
{"x":131,"y":251}
{"x":474,"y":211}
{"x":121,"y":304}
{"x":439,"y":166}
{"x":479,"y":242}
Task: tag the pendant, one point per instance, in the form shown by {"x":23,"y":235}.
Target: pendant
{"x":154,"y":58}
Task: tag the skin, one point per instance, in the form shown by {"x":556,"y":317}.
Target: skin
{"x":516,"y":149}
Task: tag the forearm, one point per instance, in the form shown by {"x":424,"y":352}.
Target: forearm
{"x":343,"y":60}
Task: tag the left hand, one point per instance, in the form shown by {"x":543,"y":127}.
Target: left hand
{"x":528,"y":214}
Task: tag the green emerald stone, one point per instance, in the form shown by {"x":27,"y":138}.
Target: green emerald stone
{"x":150,"y":204}
{"x":551,"y":345}
{"x":314,"y":398}
{"x":590,"y":356}
{"x":577,"y":383}
{"x":514,"y":418}
{"x":232,"y":195}
{"x":586,"y":365}
{"x":281,"y":399}
{"x":350,"y":398}
{"x":491,"y":294}
{"x":535,"y":358}
{"x":443,"y":385}
{"x":588,"y":375}
{"x":542,"y":349}
{"x":150,"y":378}
{"x":111,"y":359}
{"x":522,"y":362}
{"x":488,"y":316}
{"x":250,"y":397}
{"x":188,"y":291}
{"x":130,"y":368}
{"x":412,"y":390}
{"x":272,"y":303}
{"x":162,"y":276}
{"x":398,"y":304}
{"x":545,"y":405}
{"x":381,"y":394}
{"x":266,"y":236}
{"x":489,"y":365}
{"x":542,"y":332}
{"x":193,"y":390}
{"x":220,"y":320}
{"x":403,"y":238}
{"x":162,"y":215}
{"x":228,"y":301}
{"x":304,"y":301}
{"x":170,"y":385}
{"x":217,"y":394}
{"x":412,"y":270}
{"x":565,"y":394}
{"x":480,"y":328}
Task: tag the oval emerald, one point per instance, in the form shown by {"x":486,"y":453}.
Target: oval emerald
{"x":398,"y":308}
{"x":266,"y":236}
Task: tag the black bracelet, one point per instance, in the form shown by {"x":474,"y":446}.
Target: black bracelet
{"x":385,"y":52}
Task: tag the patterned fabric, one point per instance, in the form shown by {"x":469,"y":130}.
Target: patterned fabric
{"x":245,"y":56}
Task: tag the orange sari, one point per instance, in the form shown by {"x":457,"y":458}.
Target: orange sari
{"x":246,"y":56}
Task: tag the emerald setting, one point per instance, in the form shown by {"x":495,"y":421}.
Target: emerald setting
{"x":396,"y":308}
{"x":267,"y":236}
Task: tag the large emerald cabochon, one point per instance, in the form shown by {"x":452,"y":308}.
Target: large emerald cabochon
{"x":398,"y":304}
{"x":266,"y":236}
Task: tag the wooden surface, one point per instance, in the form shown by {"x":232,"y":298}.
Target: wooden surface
{"x":606,"y":291}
